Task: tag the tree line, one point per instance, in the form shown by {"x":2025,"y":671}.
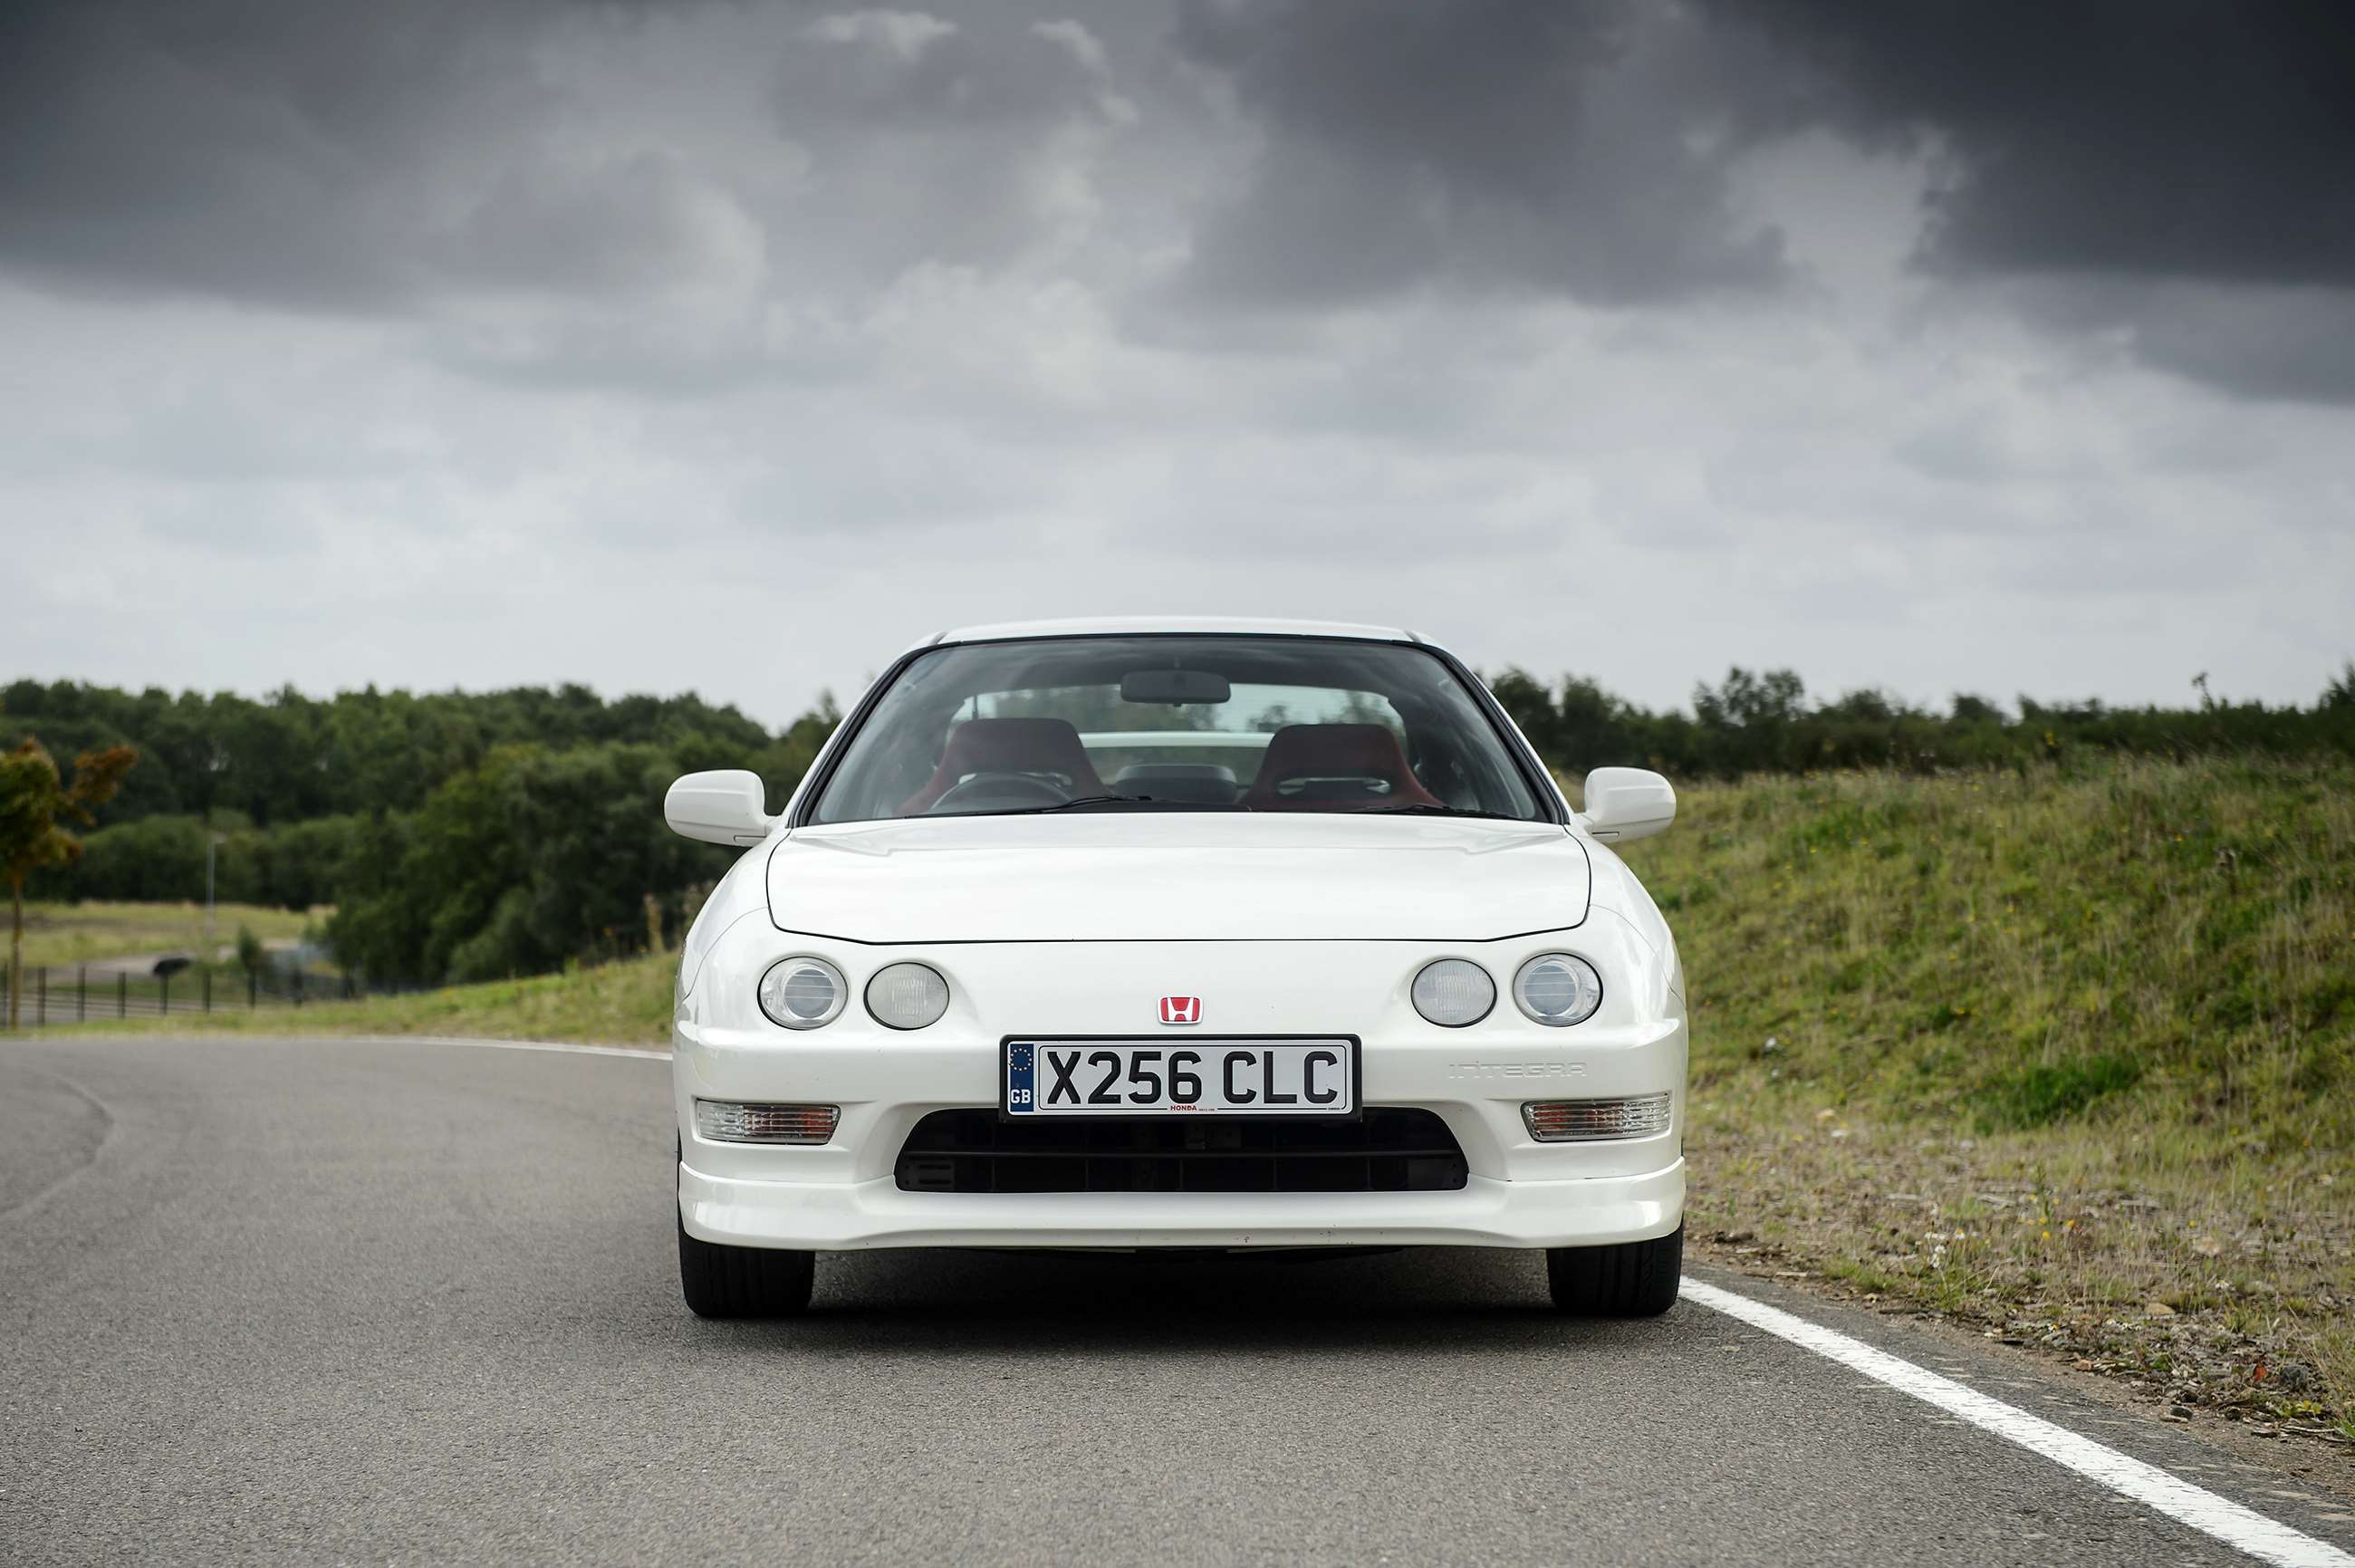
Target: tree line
{"x":1765,"y":721}
{"x":470,"y":835}
{"x":287,"y":757}
{"x":459,"y":836}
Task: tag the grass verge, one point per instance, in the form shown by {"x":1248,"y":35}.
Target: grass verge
{"x":625,"y":1003}
{"x":2065,"y":1056}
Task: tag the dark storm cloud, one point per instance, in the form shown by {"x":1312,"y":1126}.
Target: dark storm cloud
{"x":2175,"y":174}
{"x":2210,"y":139}
{"x":328,"y":156}
{"x":1585,"y":142}
{"x":912,"y":73}
{"x":926,"y":133}
{"x":1580,"y":147}
{"x":2180,"y":173}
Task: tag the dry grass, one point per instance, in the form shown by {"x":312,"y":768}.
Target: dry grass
{"x":2227,"y":1286}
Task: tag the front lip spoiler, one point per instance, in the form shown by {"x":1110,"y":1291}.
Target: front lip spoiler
{"x":1169,"y":941}
{"x":1485,"y":1212}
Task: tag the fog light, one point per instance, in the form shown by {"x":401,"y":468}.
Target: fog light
{"x":1597,"y":1121}
{"x":726,"y":1122}
{"x":1453,"y":992}
{"x":907,"y":996}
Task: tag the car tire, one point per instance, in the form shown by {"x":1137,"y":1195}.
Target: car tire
{"x":1626,"y":1279}
{"x":741,"y":1282}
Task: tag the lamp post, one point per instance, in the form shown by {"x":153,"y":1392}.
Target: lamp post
{"x":212,"y":842}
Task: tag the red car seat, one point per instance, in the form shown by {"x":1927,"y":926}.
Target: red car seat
{"x":1007,"y":746}
{"x":1335,"y":750}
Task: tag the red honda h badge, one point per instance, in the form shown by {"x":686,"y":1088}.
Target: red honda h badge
{"x":1181,"y":1010}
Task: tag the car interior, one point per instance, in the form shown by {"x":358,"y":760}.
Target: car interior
{"x":1237,"y":724}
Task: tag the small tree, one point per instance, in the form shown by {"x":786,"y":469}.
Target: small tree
{"x":251,"y":957}
{"x":32,"y":798}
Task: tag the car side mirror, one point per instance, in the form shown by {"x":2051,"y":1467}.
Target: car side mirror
{"x":727,"y":805}
{"x":1627,"y":802}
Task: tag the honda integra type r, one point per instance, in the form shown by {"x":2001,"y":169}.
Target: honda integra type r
{"x":1178,"y":933}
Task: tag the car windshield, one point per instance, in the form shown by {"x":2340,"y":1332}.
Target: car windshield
{"x":1199,"y":723}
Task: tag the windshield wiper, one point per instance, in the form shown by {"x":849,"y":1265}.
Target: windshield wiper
{"x":1077,"y":800}
{"x":1420,"y":808}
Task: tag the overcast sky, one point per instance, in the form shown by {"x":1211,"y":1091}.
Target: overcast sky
{"x":733,"y":345}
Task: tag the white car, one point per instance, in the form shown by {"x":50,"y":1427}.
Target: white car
{"x":1178,"y":933}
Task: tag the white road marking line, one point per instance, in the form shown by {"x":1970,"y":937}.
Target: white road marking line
{"x":2242,"y":1529}
{"x":228,"y":1037}
{"x":566,"y":1046}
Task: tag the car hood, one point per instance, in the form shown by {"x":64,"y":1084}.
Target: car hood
{"x":1178,"y":876}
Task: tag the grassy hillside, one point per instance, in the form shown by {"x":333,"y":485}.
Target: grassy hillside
{"x":2072,"y":1057}
{"x":2016,"y":950}
{"x":2069,"y":1055}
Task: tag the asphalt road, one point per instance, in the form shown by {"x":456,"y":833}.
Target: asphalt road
{"x":319,"y":1301}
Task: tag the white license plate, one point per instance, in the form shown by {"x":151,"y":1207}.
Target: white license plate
{"x":1189,"y":1077}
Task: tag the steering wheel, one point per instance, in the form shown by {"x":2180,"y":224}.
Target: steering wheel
{"x":1001,"y":790}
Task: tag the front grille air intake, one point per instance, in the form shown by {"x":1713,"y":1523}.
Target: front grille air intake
{"x":1389,"y":1150}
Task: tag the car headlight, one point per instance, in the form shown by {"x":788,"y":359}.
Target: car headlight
{"x":1454,"y":992}
{"x":803,"y":993}
{"x":907,"y":996}
{"x":1557,"y":988}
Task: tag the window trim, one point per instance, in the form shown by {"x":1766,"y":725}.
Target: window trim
{"x":1533,"y":777}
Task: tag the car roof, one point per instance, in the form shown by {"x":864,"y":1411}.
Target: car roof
{"x":1132,"y":625}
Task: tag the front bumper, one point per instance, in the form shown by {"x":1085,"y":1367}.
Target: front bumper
{"x":1486,"y":1212}
{"x":843,"y":1194}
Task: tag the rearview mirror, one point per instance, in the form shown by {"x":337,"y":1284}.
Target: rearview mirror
{"x":1627,"y":802}
{"x":727,"y":805}
{"x":1174,"y":686}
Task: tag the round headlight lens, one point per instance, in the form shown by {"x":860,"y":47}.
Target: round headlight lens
{"x":1454,"y":992}
{"x":1557,"y":988}
{"x":803,"y":993}
{"x":907,"y":996}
